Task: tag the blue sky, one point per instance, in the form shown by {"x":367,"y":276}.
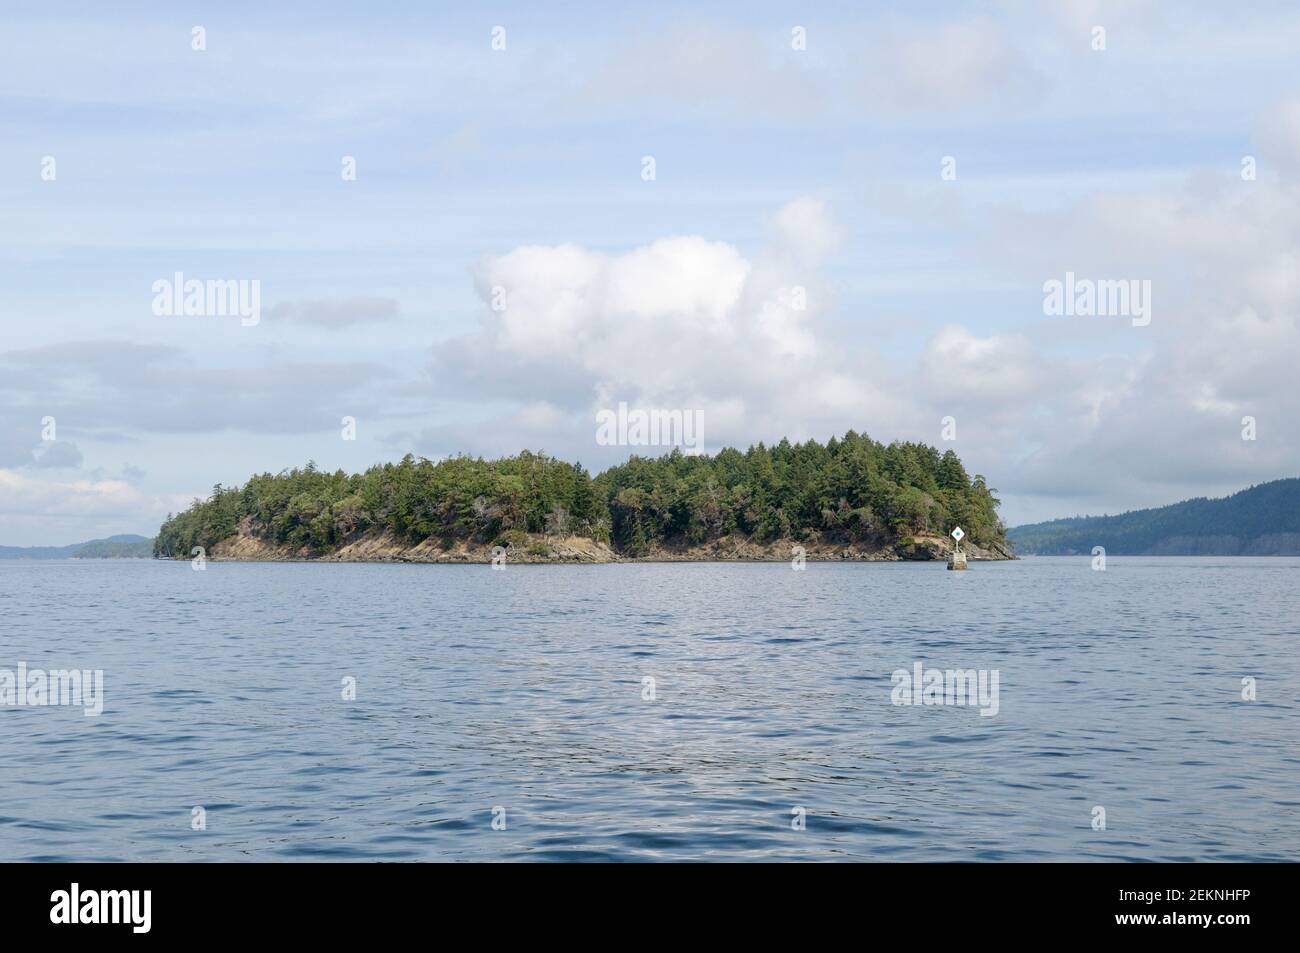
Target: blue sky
{"x":816,"y":168}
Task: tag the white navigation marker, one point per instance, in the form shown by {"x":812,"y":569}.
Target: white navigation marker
{"x":958,"y":559}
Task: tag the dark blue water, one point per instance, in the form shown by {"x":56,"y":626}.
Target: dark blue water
{"x":522,"y":689}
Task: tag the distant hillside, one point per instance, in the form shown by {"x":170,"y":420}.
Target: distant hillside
{"x":123,"y":546}
{"x":1261,"y":521}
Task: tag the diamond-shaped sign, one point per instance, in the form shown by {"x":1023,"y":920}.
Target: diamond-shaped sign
{"x":957,"y":534}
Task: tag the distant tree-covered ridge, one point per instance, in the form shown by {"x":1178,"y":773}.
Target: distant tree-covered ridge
{"x":854,"y":489}
{"x":1263,"y":520}
{"x":116,"y":547}
{"x":124,"y":546}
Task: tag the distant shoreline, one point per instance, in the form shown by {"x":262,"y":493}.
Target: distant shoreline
{"x":1262,"y":520}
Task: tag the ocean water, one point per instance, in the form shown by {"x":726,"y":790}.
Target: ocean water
{"x":520,"y":696}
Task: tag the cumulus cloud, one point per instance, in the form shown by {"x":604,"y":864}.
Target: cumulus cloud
{"x":681,"y":323}
{"x":997,"y":372}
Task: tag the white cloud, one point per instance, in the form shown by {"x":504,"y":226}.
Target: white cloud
{"x":805,"y":230}
{"x":1278,"y":131}
{"x":69,"y":510}
{"x":708,"y":67}
{"x":967,"y":370}
{"x":944,"y":67}
{"x":682,"y":322}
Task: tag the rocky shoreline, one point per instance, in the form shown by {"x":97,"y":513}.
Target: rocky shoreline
{"x":382,"y":547}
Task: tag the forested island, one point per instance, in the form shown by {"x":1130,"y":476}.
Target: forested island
{"x":851,"y":498}
{"x":1262,"y":520}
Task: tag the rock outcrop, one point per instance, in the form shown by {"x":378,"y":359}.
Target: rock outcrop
{"x":377,"y":546}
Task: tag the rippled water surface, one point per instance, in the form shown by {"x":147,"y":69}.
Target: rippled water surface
{"x":523,"y":689}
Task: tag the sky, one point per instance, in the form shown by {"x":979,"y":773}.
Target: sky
{"x":849,"y":221}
